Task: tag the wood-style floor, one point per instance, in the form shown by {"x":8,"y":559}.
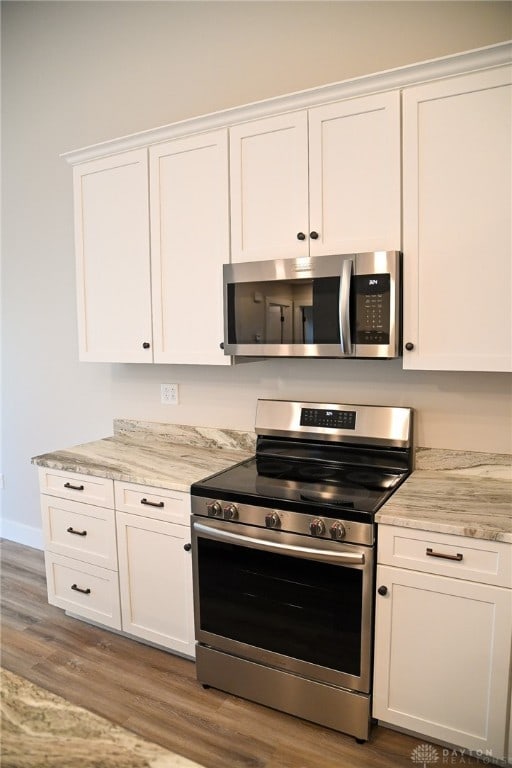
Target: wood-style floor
{"x":155,"y":694}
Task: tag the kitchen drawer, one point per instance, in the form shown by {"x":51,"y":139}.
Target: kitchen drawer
{"x":462,"y":557}
{"x":81,"y":531}
{"x":84,"y":488}
{"x":83,"y":589}
{"x":157,"y":503}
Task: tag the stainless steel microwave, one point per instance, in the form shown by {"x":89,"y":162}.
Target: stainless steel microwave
{"x":323,"y":306}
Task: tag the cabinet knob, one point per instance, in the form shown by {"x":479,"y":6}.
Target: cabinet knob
{"x":409,"y":346}
{"x":187,"y":547}
{"x":221,"y":345}
{"x":146,"y":345}
{"x":382,"y":590}
{"x":313,"y":235}
{"x":301,"y":236}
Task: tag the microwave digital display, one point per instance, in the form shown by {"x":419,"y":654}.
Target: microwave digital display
{"x":372,"y":309}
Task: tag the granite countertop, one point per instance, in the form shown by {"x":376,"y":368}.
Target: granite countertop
{"x":162,"y":455}
{"x":458,"y":492}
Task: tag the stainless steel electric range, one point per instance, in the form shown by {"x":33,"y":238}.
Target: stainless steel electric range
{"x":284,"y":559}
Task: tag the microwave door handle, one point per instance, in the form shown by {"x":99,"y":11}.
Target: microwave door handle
{"x":344,"y":307}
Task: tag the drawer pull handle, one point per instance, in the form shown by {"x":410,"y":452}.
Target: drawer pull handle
{"x":431,"y":553}
{"x":77,"y":533}
{"x":83,"y":591}
{"x":152,"y":503}
{"x":74,"y":487}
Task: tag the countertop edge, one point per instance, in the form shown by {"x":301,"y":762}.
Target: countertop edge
{"x":454,"y":500}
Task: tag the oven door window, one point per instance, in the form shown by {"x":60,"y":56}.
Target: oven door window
{"x":303,"y":609}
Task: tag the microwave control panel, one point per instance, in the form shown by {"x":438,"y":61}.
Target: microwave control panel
{"x":372,"y":295}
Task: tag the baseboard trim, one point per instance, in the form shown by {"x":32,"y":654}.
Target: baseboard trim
{"x":22,"y":534}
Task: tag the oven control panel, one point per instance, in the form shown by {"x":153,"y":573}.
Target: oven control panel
{"x":324,"y":417}
{"x":284,"y":521}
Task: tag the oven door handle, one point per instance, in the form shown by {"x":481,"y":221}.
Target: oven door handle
{"x":345,"y":558}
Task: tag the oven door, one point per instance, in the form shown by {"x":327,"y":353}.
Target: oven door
{"x":288,"y":601}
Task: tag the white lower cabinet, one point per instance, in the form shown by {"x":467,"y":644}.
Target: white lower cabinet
{"x":125,"y":564}
{"x":155,"y":565}
{"x":443,"y":638}
{"x":80,"y":545}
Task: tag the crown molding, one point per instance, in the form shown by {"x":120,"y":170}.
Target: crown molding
{"x":401,"y":77}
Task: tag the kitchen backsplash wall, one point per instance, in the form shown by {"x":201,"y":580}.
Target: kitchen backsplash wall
{"x":462,"y":411}
{"x":95,"y":71}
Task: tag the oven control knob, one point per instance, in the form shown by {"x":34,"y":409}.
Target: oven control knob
{"x":317,"y":527}
{"x":214,"y":509}
{"x":337,"y":531}
{"x":231,"y":512}
{"x":272,"y":520}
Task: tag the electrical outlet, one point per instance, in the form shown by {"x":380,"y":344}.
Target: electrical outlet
{"x":169,"y":394}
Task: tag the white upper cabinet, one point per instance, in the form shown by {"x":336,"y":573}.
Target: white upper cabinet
{"x":318,"y":181}
{"x":189,"y":244}
{"x":457,"y":223}
{"x":354,"y":175}
{"x":112,"y":252}
{"x":164,"y":306}
{"x":269,"y":188}
{"x":417,"y":159}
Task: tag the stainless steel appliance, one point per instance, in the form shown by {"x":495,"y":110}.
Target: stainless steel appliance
{"x":323,"y":306}
{"x":284,"y":559}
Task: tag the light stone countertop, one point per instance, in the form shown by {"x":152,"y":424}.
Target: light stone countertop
{"x":42,"y":730}
{"x":464,"y":505}
{"x":459,"y":492}
{"x":171,"y":457}
{"x":465,"y":493}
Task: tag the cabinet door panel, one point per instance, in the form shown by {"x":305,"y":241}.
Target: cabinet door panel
{"x":112,"y":251}
{"x":354,"y":161}
{"x":442,"y":655}
{"x":457,"y":223}
{"x":269,"y":188}
{"x":189,"y":245}
{"x":156,"y":581}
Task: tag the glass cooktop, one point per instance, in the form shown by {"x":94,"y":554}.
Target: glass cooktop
{"x":298,"y":484}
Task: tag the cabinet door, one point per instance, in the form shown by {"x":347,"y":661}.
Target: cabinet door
{"x":354,"y":165}
{"x":442,"y":658}
{"x":189,"y":245}
{"x":269,"y":188}
{"x":112,"y":251}
{"x":457,"y":223}
{"x":155,"y":581}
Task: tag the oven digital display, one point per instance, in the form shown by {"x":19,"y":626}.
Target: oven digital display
{"x":323,"y":417}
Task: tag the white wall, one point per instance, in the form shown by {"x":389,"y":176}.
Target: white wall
{"x":78,"y":73}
